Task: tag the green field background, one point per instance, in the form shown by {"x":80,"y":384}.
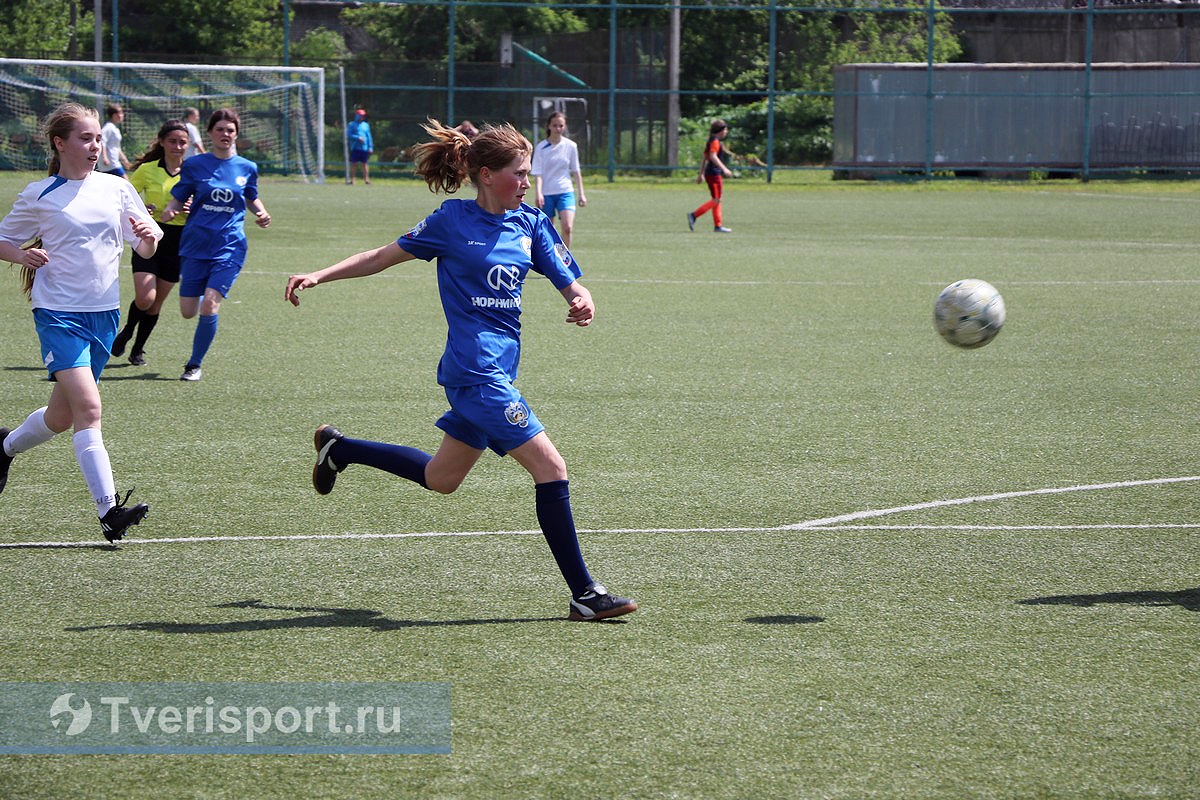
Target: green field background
{"x":732,"y":389}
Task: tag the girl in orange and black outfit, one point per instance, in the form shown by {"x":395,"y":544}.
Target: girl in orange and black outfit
{"x":713,"y":171}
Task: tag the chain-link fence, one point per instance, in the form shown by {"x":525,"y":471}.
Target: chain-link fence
{"x":638,"y":100}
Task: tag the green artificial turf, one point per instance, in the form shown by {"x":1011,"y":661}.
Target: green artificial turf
{"x":926,"y":640}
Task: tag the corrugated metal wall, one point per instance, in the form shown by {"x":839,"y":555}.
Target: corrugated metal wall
{"x":992,"y":117}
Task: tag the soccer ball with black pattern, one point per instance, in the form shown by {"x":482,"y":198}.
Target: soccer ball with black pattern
{"x":969,"y":313}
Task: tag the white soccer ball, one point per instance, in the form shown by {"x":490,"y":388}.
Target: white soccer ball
{"x":969,"y":313}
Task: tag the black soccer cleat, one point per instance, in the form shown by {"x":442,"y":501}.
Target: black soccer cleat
{"x":121,"y":517}
{"x":325,"y":471}
{"x":5,"y":459}
{"x":119,"y":342}
{"x":597,"y":604}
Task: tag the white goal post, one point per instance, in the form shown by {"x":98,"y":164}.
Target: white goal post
{"x":282,"y":109}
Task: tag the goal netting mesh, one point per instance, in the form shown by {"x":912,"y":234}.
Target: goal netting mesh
{"x":282,"y":109}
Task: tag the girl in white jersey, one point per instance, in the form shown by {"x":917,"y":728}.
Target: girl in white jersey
{"x":112,"y":157}
{"x":484,"y":249}
{"x":555,"y":163}
{"x":67,"y":232}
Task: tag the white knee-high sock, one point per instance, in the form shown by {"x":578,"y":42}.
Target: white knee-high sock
{"x":30,"y":433}
{"x":97,"y":470}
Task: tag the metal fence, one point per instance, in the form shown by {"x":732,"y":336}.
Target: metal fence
{"x":1099,"y":116}
{"x":632,"y":107}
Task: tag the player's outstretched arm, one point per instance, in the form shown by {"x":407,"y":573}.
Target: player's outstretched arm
{"x":581,"y":309}
{"x":359,"y":265}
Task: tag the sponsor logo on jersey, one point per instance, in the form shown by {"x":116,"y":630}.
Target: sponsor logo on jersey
{"x":503,"y":276}
{"x":219,"y":195}
{"x":416,"y":231}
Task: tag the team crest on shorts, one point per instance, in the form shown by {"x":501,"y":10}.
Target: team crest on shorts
{"x":564,"y":255}
{"x":517,"y":413}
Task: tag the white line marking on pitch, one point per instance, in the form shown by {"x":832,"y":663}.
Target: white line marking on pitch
{"x":883,"y":512}
{"x":825,"y":523}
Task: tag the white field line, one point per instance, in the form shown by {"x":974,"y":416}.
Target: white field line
{"x":984,"y":498}
{"x":825,"y":523}
{"x":717,"y":282}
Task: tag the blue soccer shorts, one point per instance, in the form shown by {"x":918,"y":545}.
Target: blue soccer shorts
{"x":197,"y":274}
{"x":491,"y":415}
{"x":76,"y":338}
{"x":558,"y":202}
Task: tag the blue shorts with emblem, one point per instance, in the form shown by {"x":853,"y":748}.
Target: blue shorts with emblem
{"x":491,"y":415}
{"x":76,"y":338}
{"x":197,"y":274}
{"x":558,"y":202}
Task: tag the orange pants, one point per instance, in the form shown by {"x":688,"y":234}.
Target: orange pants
{"x":715,"y":184}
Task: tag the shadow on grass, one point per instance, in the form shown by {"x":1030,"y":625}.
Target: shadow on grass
{"x":784,"y":619}
{"x":314,"y":617}
{"x":1185,"y":598}
{"x":108,"y":376}
{"x":108,"y":373}
{"x":112,"y":547}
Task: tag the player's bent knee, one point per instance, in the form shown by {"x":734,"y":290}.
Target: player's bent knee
{"x":443,"y":484}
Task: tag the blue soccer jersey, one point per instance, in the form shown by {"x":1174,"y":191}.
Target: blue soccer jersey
{"x":220,"y":190}
{"x":482,"y":261}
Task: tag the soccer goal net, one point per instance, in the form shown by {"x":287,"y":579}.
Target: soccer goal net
{"x":282,"y":109}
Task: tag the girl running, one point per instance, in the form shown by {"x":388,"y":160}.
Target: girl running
{"x":484,"y":249}
{"x":67,"y":232}
{"x":221,"y":186}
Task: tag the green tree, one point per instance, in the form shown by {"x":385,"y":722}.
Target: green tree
{"x":810,"y":45}
{"x":320,"y":47}
{"x":46,"y":29}
{"x":418,"y":33}
{"x":225,"y":31}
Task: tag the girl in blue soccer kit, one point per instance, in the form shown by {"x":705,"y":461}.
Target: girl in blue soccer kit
{"x":484,"y":249}
{"x":212,"y":249}
{"x":67,"y":232}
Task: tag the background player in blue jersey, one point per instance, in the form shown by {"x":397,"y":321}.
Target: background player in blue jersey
{"x":484,"y":249}
{"x":67,"y":231}
{"x":212,"y":249}
{"x":358,"y":136}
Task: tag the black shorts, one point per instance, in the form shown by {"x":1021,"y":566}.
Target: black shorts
{"x":164,"y":264}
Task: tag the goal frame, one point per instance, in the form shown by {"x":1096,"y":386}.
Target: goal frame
{"x":187,"y":94}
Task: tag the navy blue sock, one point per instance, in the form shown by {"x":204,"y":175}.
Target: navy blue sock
{"x":206,"y":331}
{"x":558,"y":526}
{"x":407,"y":462}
